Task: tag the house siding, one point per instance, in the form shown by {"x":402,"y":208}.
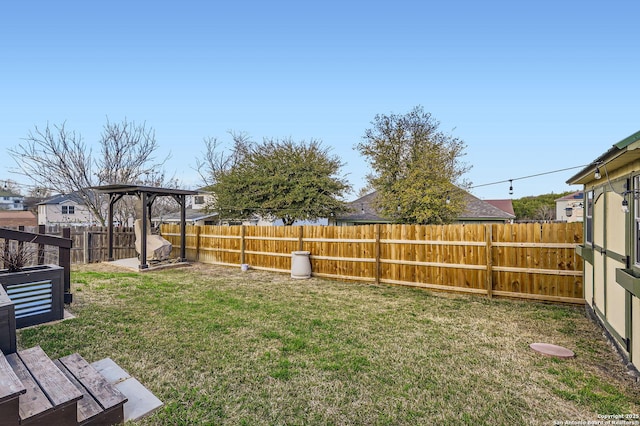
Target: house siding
{"x":51,"y":214}
{"x":576,"y":204}
{"x":10,"y":201}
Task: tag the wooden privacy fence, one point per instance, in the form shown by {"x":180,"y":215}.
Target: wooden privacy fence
{"x":90,"y":243}
{"x":530,"y":261}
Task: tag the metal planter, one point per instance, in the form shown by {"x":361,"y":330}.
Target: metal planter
{"x":36,"y":292}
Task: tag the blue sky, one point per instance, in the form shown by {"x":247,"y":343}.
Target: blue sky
{"x":529,"y":86}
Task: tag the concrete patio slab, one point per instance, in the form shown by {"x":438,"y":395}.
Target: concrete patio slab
{"x":133,"y":264}
{"x":141,"y":402}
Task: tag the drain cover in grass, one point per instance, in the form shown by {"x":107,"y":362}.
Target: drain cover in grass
{"x":552,"y":350}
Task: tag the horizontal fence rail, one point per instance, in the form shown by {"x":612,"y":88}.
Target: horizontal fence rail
{"x":90,"y":243}
{"x":530,"y":261}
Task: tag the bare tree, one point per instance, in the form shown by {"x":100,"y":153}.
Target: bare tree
{"x":545,"y":212}
{"x":215,"y":162}
{"x":10,"y":186}
{"x":39,"y":192}
{"x":127,"y":153}
{"x":58,"y":159}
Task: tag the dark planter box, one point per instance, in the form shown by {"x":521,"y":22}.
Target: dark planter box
{"x":7,"y":324}
{"x":36,"y":292}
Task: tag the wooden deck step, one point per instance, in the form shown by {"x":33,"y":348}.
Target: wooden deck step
{"x":10,"y":390}
{"x":50,"y":398}
{"x":102,"y":403}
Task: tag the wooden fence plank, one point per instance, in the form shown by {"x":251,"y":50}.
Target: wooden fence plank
{"x":532,"y":260}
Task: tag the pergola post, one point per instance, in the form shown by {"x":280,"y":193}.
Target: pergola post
{"x":112,"y":201}
{"x":143,"y":237}
{"x":183,"y":229}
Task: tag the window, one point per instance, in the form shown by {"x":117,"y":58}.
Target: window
{"x":68,"y":209}
{"x":198,"y":199}
{"x":589,"y":222}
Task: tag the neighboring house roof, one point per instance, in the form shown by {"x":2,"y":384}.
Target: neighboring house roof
{"x":191,"y":215}
{"x":62,"y":198}
{"x":363,"y":210}
{"x":578,"y":195}
{"x":476,"y":209}
{"x":17,"y":218}
{"x":4,"y":193}
{"x":504,"y":205}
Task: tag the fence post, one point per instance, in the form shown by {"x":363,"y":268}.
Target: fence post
{"x":488,"y":232}
{"x":64,"y":259}
{"x":5,"y":264}
{"x":377,"y":231}
{"x":197,"y":229}
{"x":42,"y":229}
{"x":21,"y":243}
{"x":86,"y":246}
{"x":300,"y":236}
{"x":242,"y":245}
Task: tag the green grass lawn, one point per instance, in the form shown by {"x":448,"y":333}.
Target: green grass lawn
{"x":221,"y":346}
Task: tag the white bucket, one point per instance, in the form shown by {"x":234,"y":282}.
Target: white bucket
{"x":244,"y":267}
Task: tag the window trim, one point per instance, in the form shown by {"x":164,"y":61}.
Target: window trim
{"x":588,"y":216}
{"x":68,"y":210}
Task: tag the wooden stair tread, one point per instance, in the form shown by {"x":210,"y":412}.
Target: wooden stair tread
{"x":34,"y":402}
{"x":37,"y":391}
{"x":88,"y":407}
{"x":97,"y":386}
{"x":10,"y":384}
{"x":58,"y":389}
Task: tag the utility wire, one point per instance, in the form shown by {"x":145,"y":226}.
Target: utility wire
{"x":16,"y":184}
{"x":530,"y":176}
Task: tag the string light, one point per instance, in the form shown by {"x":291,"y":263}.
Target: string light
{"x":597,"y":174}
{"x":8,"y":183}
{"x":529,"y":177}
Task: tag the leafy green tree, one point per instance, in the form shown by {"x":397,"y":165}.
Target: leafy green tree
{"x":417,"y":169}
{"x":277,"y":179}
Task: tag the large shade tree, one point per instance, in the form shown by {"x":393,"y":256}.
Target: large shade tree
{"x":417,"y":169}
{"x":58,"y":159}
{"x":277,"y":179}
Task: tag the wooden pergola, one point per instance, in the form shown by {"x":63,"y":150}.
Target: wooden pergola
{"x":147,"y":195}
